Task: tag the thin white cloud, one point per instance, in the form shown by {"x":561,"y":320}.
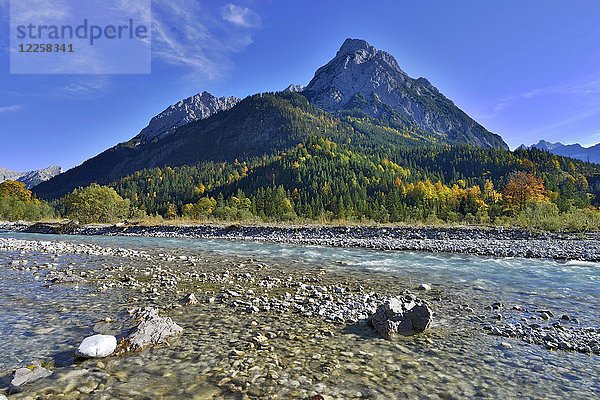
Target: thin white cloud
{"x":241,"y":16}
{"x":10,"y":109}
{"x":568,"y":121}
{"x":592,"y":140}
{"x":49,"y":11}
{"x":86,"y":86}
{"x":588,"y":88}
{"x":186,"y":34}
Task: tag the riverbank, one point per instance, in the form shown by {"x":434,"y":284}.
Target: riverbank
{"x":483,"y":241}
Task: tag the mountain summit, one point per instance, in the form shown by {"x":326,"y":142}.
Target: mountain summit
{"x":362,"y":79}
{"x":200,"y":106}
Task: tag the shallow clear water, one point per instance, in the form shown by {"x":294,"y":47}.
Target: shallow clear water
{"x":450,"y":362}
{"x":570,"y":285}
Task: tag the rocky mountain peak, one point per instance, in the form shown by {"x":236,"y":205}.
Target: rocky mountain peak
{"x":194,"y":108}
{"x":295,"y":88}
{"x":544,"y":145}
{"x":358,"y":51}
{"x":355,"y":45}
{"x":357,"y":69}
{"x":362,"y":78}
{"x":31,"y":178}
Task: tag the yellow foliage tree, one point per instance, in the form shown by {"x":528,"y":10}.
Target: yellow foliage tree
{"x":15,"y":189}
{"x":522,"y":188}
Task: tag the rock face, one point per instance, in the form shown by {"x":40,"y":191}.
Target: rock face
{"x":396,"y":317}
{"x":200,"y":106}
{"x":151,"y":330}
{"x":97,"y":346}
{"x":362,"y":78}
{"x":31,"y":178}
{"x":23,"y":376}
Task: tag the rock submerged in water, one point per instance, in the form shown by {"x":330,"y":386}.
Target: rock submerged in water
{"x":397,"y":317}
{"x":152,"y":330}
{"x":97,"y":346}
{"x":23,"y":376}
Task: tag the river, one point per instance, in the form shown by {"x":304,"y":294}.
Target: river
{"x":210,"y":360}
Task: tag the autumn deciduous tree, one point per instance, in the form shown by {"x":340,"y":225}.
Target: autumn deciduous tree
{"x":17,"y":203}
{"x":16,"y":190}
{"x":522,"y":188}
{"x":96,"y":203}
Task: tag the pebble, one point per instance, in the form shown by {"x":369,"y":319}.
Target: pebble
{"x":189,"y":300}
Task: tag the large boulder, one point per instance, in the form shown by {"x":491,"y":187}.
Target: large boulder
{"x":97,"y":346}
{"x":398,"y":317}
{"x":152,"y":330}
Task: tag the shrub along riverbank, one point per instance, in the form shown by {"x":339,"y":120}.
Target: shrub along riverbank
{"x":101,"y":204}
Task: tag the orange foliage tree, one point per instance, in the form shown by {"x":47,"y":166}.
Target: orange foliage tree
{"x":522,"y":188}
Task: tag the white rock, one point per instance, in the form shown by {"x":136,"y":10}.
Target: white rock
{"x":97,"y":346}
{"x":424,"y":286}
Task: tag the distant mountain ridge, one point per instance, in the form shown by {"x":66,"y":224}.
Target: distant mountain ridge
{"x":576,"y":151}
{"x":360,"y":97}
{"x":295,"y":88}
{"x":31,"y":178}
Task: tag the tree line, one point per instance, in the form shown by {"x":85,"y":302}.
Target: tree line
{"x":321,"y":180}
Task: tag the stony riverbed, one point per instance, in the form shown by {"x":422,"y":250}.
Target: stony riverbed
{"x":269,"y":327}
{"x":485,"y":241}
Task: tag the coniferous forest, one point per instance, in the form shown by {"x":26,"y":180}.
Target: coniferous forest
{"x":325,"y":181}
{"x":276,"y":157}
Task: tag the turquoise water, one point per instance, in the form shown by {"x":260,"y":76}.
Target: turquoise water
{"x":571,"y":286}
{"x":39,"y":322}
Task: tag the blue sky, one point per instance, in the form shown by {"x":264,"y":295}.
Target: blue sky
{"x":527,"y":70}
